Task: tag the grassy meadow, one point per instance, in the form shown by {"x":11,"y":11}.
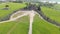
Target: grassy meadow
{"x":12,"y":7}
{"x":21,"y":25}
{"x":51,"y":13}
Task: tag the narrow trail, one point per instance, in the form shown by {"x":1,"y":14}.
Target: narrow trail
{"x":32,"y":14}
{"x":13,"y":19}
{"x":48,"y":19}
{"x":25,"y":13}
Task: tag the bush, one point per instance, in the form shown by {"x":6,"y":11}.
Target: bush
{"x":7,"y":6}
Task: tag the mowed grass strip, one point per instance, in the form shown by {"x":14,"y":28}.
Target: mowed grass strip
{"x":5,"y":27}
{"x":39,"y":26}
{"x":21,"y":28}
{"x":51,"y":13}
{"x":42,"y":27}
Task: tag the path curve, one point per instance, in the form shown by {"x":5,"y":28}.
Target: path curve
{"x":31,"y":19}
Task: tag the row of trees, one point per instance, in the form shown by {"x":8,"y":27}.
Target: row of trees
{"x":47,"y":4}
{"x":20,"y":0}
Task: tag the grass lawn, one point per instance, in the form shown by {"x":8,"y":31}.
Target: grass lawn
{"x":21,"y":25}
{"x":39,"y":27}
{"x":12,"y":6}
{"x":42,"y":27}
{"x":57,"y":7}
{"x":51,"y":13}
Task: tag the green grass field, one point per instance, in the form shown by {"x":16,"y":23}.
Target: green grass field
{"x":21,"y":26}
{"x":57,"y":7}
{"x":42,"y":27}
{"x":51,"y":13}
{"x":12,"y":6}
{"x":39,"y":27}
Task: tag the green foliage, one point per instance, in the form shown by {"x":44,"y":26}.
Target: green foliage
{"x":47,"y":4}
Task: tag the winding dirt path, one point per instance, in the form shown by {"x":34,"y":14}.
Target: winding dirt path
{"x":13,"y":19}
{"x":31,"y":15}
